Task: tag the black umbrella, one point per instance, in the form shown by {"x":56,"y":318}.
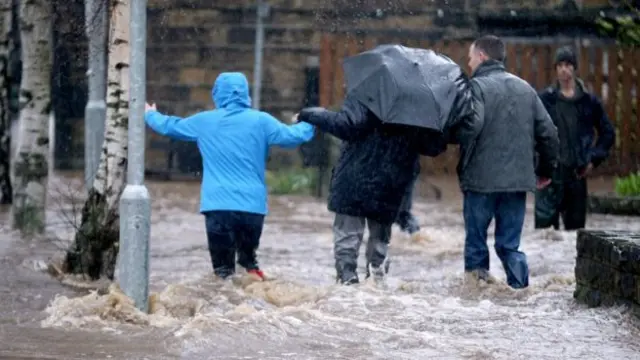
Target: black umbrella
{"x":405,"y":86}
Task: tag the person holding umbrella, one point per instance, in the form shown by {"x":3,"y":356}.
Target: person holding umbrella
{"x":399,"y":100}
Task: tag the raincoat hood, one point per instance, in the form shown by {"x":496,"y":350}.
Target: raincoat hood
{"x":231,"y":90}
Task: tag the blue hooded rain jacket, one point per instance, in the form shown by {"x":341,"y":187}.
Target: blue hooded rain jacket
{"x":233,"y":140}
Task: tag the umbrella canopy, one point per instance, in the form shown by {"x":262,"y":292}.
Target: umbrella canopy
{"x":404,"y":86}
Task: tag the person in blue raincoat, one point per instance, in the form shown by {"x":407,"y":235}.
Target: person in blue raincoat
{"x":234,"y":140}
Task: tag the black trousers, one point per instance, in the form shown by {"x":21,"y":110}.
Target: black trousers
{"x":565,"y":197}
{"x":230,"y":233}
{"x":405,"y":219}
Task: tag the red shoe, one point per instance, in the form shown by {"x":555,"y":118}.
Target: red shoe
{"x":257,"y":273}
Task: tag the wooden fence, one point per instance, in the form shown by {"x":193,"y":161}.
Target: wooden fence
{"x":602,"y":66}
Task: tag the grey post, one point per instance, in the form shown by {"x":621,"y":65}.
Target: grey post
{"x":135,"y":203}
{"x":95,"y":111}
{"x":262,"y":11}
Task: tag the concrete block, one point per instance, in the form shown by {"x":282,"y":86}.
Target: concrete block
{"x":607,"y":267}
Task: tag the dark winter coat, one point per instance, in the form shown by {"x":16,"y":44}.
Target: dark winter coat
{"x":500,"y":158}
{"x":376,"y":164}
{"x":592,"y":118}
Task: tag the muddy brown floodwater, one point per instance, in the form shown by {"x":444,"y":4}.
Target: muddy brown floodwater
{"x":424,"y":311}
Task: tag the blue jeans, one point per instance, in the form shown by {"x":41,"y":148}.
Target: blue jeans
{"x":231,"y":232}
{"x":508,"y":209}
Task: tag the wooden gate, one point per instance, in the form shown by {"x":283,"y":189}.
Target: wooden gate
{"x":607,"y":70}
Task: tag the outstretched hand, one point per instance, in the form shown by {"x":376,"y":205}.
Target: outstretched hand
{"x":294,"y":118}
{"x":542,"y":183}
{"x":586,"y":171}
{"x":148,"y":107}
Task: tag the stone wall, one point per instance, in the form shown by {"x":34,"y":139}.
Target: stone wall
{"x":191,"y":41}
{"x":607,"y":268}
{"x":614,"y":205}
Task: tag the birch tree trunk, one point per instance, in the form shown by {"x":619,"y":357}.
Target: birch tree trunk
{"x":95,"y":246}
{"x":31,"y":162}
{"x":6,"y":194}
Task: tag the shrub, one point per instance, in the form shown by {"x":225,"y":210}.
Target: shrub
{"x":628,"y":185}
{"x":291,"y":181}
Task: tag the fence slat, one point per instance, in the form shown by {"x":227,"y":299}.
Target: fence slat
{"x":511,"y":59}
{"x":426,"y":44}
{"x":352,"y":46}
{"x":542,"y":68}
{"x":438,"y":46}
{"x":526,"y":66}
{"x":598,"y":73}
{"x":584,"y":67}
{"x":550,"y":66}
{"x":326,"y":64}
{"x":338,"y":85}
{"x":612,"y":95}
{"x":369,"y":43}
{"x":626,"y":108}
{"x":636,"y":132}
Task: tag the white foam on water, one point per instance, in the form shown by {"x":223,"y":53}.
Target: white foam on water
{"x":427,"y":308}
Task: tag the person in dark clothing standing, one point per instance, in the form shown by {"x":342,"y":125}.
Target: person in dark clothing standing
{"x":577,"y":114}
{"x":496,"y":168}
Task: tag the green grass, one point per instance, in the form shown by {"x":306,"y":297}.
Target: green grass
{"x":628,"y":185}
{"x":296,"y":181}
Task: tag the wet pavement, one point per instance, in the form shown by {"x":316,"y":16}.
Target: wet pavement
{"x":424,"y":311}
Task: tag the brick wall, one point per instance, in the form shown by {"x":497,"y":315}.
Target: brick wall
{"x":191,"y":41}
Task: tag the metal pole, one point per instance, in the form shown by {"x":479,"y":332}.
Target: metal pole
{"x":135,"y":203}
{"x":95,"y":111}
{"x":262,"y":11}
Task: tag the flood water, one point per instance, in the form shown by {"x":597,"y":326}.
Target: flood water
{"x":424,"y":311}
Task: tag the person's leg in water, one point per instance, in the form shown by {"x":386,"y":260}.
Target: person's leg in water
{"x":574,"y":211}
{"x":377,"y":249}
{"x":549,"y":203}
{"x":348,"y":232}
{"x":510,"y":212}
{"x":248,"y":232}
{"x":478,"y":211}
{"x":405,"y":219}
{"x":222,"y":247}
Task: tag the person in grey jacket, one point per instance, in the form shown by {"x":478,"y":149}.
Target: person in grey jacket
{"x":497,"y":169}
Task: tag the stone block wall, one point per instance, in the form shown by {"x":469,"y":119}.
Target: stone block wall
{"x":614,"y":205}
{"x":191,"y":41}
{"x":607,"y":268}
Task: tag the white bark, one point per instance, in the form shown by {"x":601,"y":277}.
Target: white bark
{"x":31,"y":162}
{"x":6,"y":192}
{"x":110,"y":178}
{"x":95,"y":246}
